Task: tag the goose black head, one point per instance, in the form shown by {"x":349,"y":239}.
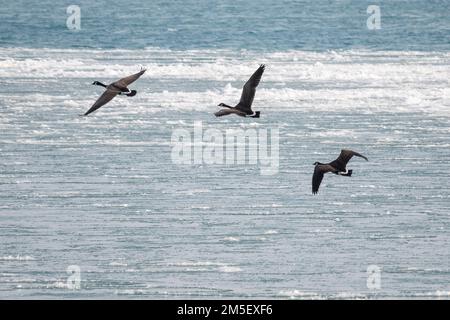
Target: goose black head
{"x":132,"y":93}
{"x":221,"y":104}
{"x":316,"y":163}
{"x":95,"y":83}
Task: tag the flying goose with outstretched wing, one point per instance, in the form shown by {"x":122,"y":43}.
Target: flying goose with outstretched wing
{"x":338,"y":166}
{"x":119,"y":87}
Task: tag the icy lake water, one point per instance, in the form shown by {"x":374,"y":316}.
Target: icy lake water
{"x":104,"y":194}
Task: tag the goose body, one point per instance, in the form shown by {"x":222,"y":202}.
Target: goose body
{"x":119,"y":87}
{"x":244,"y":107}
{"x":338,"y":166}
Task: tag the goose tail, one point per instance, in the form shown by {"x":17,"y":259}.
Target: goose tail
{"x":256,"y":115}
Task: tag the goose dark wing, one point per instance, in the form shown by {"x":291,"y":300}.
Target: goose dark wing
{"x":341,"y":162}
{"x":125,"y":82}
{"x":319,"y":171}
{"x":225,"y":112}
{"x":249,"y":90}
{"x":106,"y":97}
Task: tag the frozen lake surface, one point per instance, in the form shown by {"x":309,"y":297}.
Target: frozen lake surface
{"x":103,"y":193}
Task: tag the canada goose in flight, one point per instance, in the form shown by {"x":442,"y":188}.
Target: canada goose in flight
{"x":244,"y":107}
{"x":116,"y":88}
{"x":338,"y":167}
